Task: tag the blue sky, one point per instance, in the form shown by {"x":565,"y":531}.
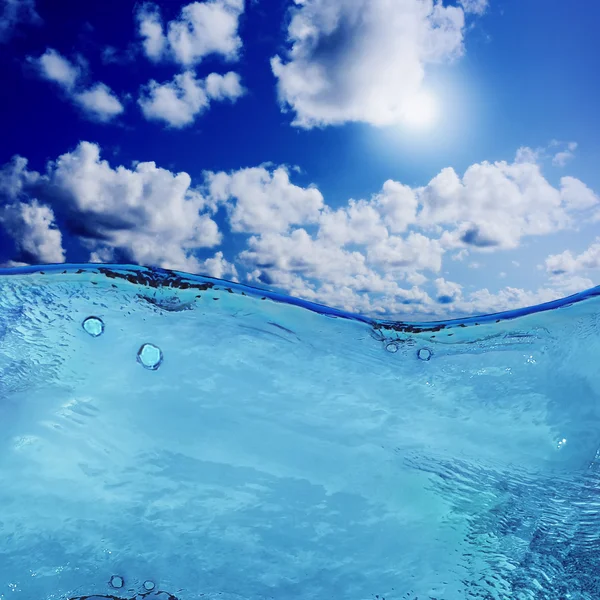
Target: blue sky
{"x":398,"y":157}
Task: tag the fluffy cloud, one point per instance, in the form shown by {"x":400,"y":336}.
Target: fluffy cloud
{"x":180,"y":101}
{"x":363,"y":60}
{"x":566,"y":262}
{"x":145,"y":215}
{"x":373,"y":255}
{"x":98,"y":101}
{"x":34,"y":230}
{"x":576,"y":195}
{"x":219,"y":267}
{"x":416,"y":251}
{"x":262,"y":202}
{"x":447,"y":291}
{"x":494,"y":205}
{"x":57,"y":68}
{"x":202,"y":29}
{"x":14,"y":12}
{"x":561,"y":158}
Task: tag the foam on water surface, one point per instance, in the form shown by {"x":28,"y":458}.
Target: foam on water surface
{"x":221,"y":442}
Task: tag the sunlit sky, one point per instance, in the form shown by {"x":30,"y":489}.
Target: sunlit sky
{"x":405,"y":158}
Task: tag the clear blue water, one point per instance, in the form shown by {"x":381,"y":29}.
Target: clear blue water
{"x":261,"y":447}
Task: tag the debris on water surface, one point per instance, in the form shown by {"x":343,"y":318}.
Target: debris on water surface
{"x":149,"y":595}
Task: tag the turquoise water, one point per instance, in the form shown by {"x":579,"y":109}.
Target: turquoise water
{"x":166,"y":436}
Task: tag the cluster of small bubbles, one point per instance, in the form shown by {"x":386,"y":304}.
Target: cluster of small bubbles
{"x":149,"y":585}
{"x":94,"y":326}
{"x":116,"y":582}
{"x":150,"y":356}
{"x":562,"y":443}
{"x":392,"y":347}
{"x":424,"y":354}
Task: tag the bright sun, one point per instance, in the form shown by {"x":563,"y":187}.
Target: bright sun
{"x":420,"y":111}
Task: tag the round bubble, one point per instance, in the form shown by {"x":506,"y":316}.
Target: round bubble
{"x":116,"y":582}
{"x":94,"y":326}
{"x":424,"y":354}
{"x":150,"y":356}
{"x":149,"y":585}
{"x":391,"y":347}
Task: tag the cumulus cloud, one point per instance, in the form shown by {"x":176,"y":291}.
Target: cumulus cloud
{"x":363,"y":60}
{"x":561,"y":158}
{"x":201,"y":29}
{"x":494,"y":205}
{"x":566,"y":262}
{"x":576,"y":195}
{"x":447,"y":291}
{"x":98,"y":102}
{"x":180,"y":101}
{"x":219,"y":267}
{"x":33,"y":228}
{"x":13,"y":13}
{"x":261,"y":201}
{"x":57,"y":68}
{"x":379,"y":255}
{"x":146,"y":215}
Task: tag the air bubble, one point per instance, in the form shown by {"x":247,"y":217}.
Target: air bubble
{"x":94,"y":326}
{"x":150,"y":356}
{"x":149,"y":585}
{"x":424,"y":354}
{"x":391,"y":347}
{"x":116,"y":582}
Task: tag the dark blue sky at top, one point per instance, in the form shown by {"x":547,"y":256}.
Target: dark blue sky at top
{"x":529,"y":75}
{"x":530,"y":69}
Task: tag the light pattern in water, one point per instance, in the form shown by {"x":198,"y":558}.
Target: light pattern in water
{"x":274,"y":449}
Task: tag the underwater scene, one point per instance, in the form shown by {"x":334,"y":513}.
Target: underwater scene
{"x":175,"y":437}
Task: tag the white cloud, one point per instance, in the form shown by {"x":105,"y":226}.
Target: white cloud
{"x":416,"y":251}
{"x":202,"y":29}
{"x":397,"y":204}
{"x":371,"y":255}
{"x":98,"y":101}
{"x":263,"y":201}
{"x":145,"y":215}
{"x":363,"y":60}
{"x":477,"y":7}
{"x":447,"y":291}
{"x":180,"y":101}
{"x":359,"y":224}
{"x":151,"y":30}
{"x":566,"y":262}
{"x":494,"y":205}
{"x":34,"y":231}
{"x":483,"y":301}
{"x":57,"y":68}
{"x":560,"y":159}
{"x":576,"y":195}
{"x":219,"y":267}
{"x":224,"y":87}
{"x":14,"y":12}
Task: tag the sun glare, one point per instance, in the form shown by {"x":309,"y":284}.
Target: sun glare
{"x":420,"y":111}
